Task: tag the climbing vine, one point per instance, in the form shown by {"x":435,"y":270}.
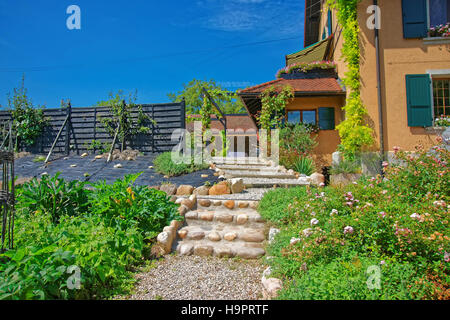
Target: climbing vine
{"x":354,"y":131}
{"x":274,"y":102}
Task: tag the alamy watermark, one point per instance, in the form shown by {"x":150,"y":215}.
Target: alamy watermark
{"x":73,"y":22}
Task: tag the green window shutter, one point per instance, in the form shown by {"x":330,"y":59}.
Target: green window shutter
{"x":415,"y":22}
{"x":330,"y":23}
{"x":418,"y":99}
{"x":326,"y":118}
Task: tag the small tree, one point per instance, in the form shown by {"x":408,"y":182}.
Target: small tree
{"x":227,"y":100}
{"x":121,"y":115}
{"x":28,"y":121}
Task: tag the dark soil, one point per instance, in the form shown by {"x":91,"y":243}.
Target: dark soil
{"x":100,"y":170}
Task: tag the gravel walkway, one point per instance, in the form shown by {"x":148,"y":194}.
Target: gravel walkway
{"x":200,"y":278}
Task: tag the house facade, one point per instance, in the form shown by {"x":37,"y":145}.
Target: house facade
{"x":403,"y":93}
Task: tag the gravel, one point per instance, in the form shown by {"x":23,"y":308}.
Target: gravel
{"x":200,"y":278}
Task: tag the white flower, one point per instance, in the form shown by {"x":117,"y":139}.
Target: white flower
{"x":333,"y":212}
{"x":348,"y":229}
{"x":295,"y":240}
{"x":314,"y":221}
{"x":415,"y":216}
{"x":307,"y":232}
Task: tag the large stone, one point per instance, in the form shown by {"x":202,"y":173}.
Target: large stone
{"x":317,"y":179}
{"x":191,"y":215}
{"x":217,"y":203}
{"x":219,"y":189}
{"x":343,"y":179}
{"x":169,"y":189}
{"x":253,"y":204}
{"x":224,"y":217}
{"x":271,"y":287}
{"x":182,"y":210}
{"x":249,"y":253}
{"x":206,"y":216}
{"x":272,"y":233}
{"x":251,"y":235}
{"x":243,"y":204}
{"x":214,"y":236}
{"x":222,"y":252}
{"x":229,"y":204}
{"x":201,"y":191}
{"x":237,"y":185}
{"x":182,"y":233}
{"x":176,"y":224}
{"x":203,"y":250}
{"x":185,"y":190}
{"x":186,"y":249}
{"x":195,"y":235}
{"x":230,"y":236}
{"x":204,"y":202}
{"x":188,"y":203}
{"x":241,"y":219}
{"x":165,"y":241}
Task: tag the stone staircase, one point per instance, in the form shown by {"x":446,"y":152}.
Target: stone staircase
{"x":223,"y":228}
{"x":229,"y":225}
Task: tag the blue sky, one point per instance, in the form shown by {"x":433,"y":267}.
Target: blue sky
{"x":151,"y":46}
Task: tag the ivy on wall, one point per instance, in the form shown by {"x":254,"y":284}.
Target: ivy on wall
{"x":274,"y":101}
{"x":354,"y":132}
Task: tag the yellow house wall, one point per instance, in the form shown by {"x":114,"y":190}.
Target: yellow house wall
{"x":398,"y":57}
{"x":328,"y":140}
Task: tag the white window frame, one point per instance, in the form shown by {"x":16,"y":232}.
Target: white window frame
{"x":436,"y":74}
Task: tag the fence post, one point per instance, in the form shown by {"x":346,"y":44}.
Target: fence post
{"x":68,"y":126}
{"x":122,"y":121}
{"x":153,"y":128}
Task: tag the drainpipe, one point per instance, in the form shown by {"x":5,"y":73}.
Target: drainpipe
{"x":380,"y":105}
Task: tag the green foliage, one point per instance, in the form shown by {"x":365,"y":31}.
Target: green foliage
{"x":102,"y":237}
{"x":305,"y":165}
{"x":399,"y":224}
{"x":227,"y":100}
{"x":121,"y":115}
{"x":354,"y":132}
{"x":123,"y":205}
{"x":54,"y":196}
{"x":347,"y":166}
{"x":296,"y":142}
{"x":275,"y":203}
{"x":172,"y":164}
{"x":97,"y":145}
{"x":39,"y":159}
{"x":28,"y":121}
{"x":274,"y":101}
{"x":306,"y":66}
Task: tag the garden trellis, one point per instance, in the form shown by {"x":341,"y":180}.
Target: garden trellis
{"x":7,"y":199}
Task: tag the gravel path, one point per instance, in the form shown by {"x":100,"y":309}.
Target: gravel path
{"x":200,"y":278}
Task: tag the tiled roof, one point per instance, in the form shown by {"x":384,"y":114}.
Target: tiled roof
{"x":317,"y":85}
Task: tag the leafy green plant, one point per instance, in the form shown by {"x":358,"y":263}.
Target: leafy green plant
{"x":39,"y":159}
{"x":305,"y":166}
{"x":347,"y":166}
{"x":28,"y":121}
{"x":123,"y":205}
{"x":296,"y":141}
{"x":54,"y":196}
{"x":172,"y":164}
{"x":97,"y":145}
{"x":274,"y":101}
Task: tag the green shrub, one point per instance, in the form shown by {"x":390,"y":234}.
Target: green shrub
{"x":54,"y":196}
{"x":165,"y":164}
{"x":274,"y":205}
{"x":305,"y":166}
{"x":123,"y":205}
{"x":62,"y":227}
{"x":295,"y":142}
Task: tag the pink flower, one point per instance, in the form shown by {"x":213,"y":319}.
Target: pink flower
{"x":314,"y":221}
{"x":396,"y":149}
{"x":415,"y":216}
{"x":348,"y":229}
{"x":385,"y":164}
{"x":447,"y":257}
{"x":382,"y":262}
{"x":382,"y":214}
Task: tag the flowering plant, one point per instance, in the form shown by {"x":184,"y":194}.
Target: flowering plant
{"x":305,"y":67}
{"x":442,"y":121}
{"x":442,"y":30}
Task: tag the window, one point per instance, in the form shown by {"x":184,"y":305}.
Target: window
{"x":302,"y":116}
{"x":441,"y":97}
{"x":439,"y":12}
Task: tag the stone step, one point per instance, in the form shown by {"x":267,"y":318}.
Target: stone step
{"x":253,"y":161}
{"x":208,"y":248}
{"x":259,"y":174}
{"x":241,"y":167}
{"x":226,"y":204}
{"x":271,"y":182}
{"x":249,"y":218}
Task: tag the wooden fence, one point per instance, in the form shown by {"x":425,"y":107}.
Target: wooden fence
{"x":85,"y":127}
